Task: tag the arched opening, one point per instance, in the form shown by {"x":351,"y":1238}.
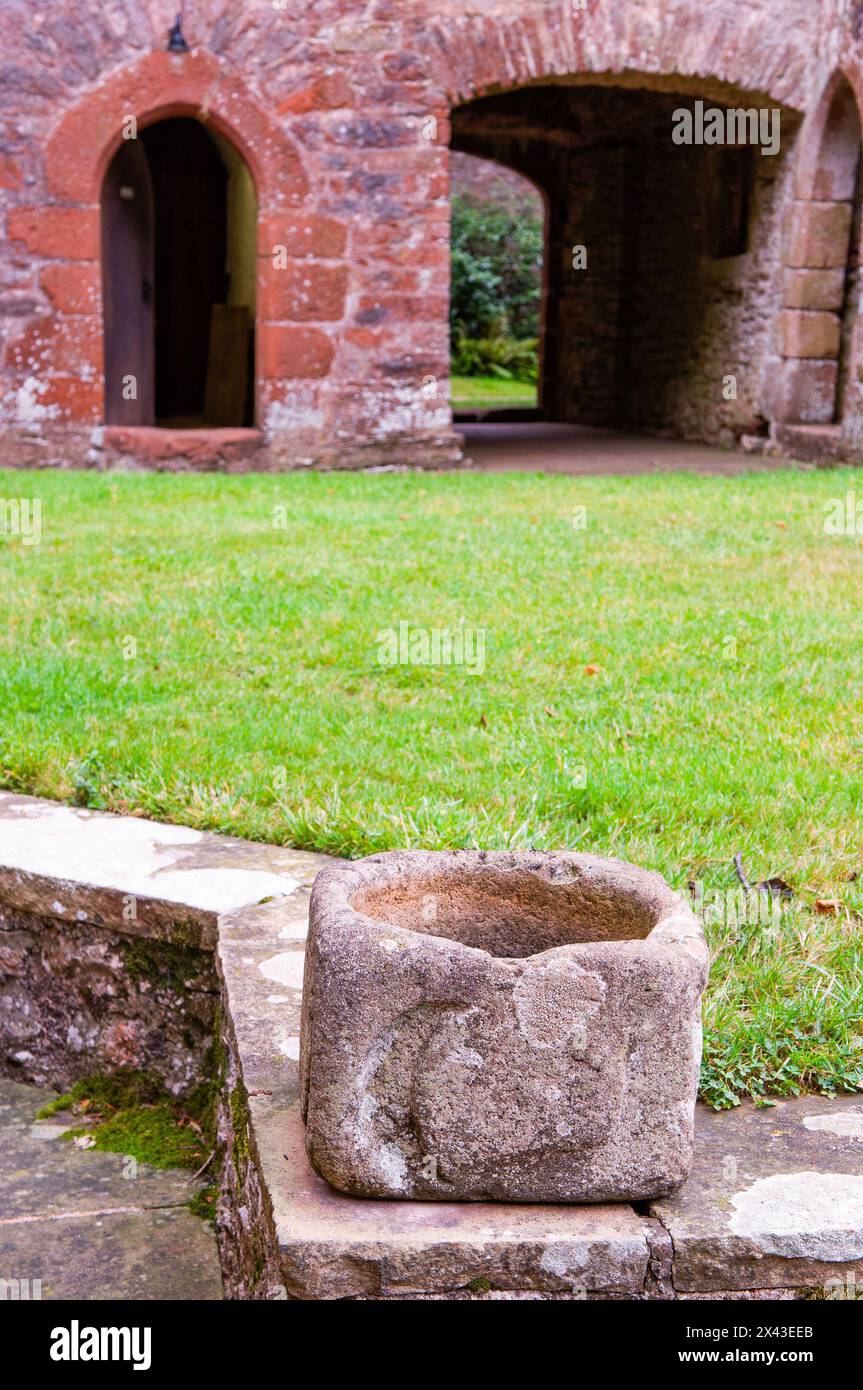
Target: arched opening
{"x":496,"y":297}
{"x":661,"y":253}
{"x":179,"y":220}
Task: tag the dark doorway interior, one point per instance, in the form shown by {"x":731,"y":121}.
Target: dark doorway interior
{"x":189,"y":193}
{"x":178,"y":267}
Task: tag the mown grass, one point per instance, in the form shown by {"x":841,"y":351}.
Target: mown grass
{"x":492,"y":393}
{"x":671,"y":675}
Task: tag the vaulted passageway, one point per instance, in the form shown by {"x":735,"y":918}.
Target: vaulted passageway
{"x":663,"y":258}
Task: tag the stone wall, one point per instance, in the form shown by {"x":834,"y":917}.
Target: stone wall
{"x":694,"y":320}
{"x":342,"y":112}
{"x":78,"y":1000}
{"x":108,"y":928}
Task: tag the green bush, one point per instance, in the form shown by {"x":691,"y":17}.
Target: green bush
{"x":496,"y":272}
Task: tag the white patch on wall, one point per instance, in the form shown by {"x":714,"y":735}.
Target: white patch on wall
{"x":27,"y":409}
{"x":284,"y":417}
{"x":406,"y":410}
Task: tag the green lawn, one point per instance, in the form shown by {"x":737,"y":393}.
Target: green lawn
{"x":676,"y":681}
{"x":491,"y":393}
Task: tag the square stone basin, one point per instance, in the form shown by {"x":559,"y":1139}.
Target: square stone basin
{"x":493,"y":1026}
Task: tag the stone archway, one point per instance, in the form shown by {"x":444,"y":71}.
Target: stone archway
{"x":65,"y":230}
{"x":673,"y":46}
{"x":661,"y":310}
{"x":648,"y":339}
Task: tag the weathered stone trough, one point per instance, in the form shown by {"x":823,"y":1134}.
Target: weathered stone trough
{"x":494,"y":1026}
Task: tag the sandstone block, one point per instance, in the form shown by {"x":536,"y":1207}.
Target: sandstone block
{"x":817,"y":235}
{"x":304,"y":292}
{"x":801,"y":391}
{"x":293,"y":353}
{"x":494,"y":1026}
{"x":73,"y":287}
{"x":809,"y":333}
{"x":71,"y":233}
{"x":815,"y":289}
{"x":322,"y":237}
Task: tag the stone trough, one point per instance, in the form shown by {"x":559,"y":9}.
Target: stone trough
{"x":510,"y":1027}
{"x":122,"y":941}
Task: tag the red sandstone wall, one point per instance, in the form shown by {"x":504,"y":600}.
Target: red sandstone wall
{"x":330,"y":103}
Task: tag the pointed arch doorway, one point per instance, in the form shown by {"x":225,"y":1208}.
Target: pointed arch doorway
{"x":179,"y":223}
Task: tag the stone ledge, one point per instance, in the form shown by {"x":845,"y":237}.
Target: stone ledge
{"x":154,"y":447}
{"x":819,"y":444}
{"x":775,"y":1199}
{"x":139,"y":877}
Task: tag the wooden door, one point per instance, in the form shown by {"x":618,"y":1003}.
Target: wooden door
{"x":190,"y":199}
{"x":127,"y":288}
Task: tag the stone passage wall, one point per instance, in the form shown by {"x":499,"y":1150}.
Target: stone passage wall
{"x":342,"y":113}
{"x":694,"y":319}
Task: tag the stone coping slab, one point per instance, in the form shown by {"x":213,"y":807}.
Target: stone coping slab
{"x":334,"y":1246}
{"x":137,"y":876}
{"x":775,"y":1198}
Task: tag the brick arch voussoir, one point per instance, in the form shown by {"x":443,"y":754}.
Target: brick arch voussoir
{"x":704,"y":52}
{"x":160,"y":85}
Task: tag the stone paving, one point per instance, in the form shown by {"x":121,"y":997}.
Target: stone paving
{"x":78,"y":1222}
{"x":543,"y":447}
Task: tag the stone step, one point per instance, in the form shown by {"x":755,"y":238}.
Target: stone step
{"x":81,"y":1224}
